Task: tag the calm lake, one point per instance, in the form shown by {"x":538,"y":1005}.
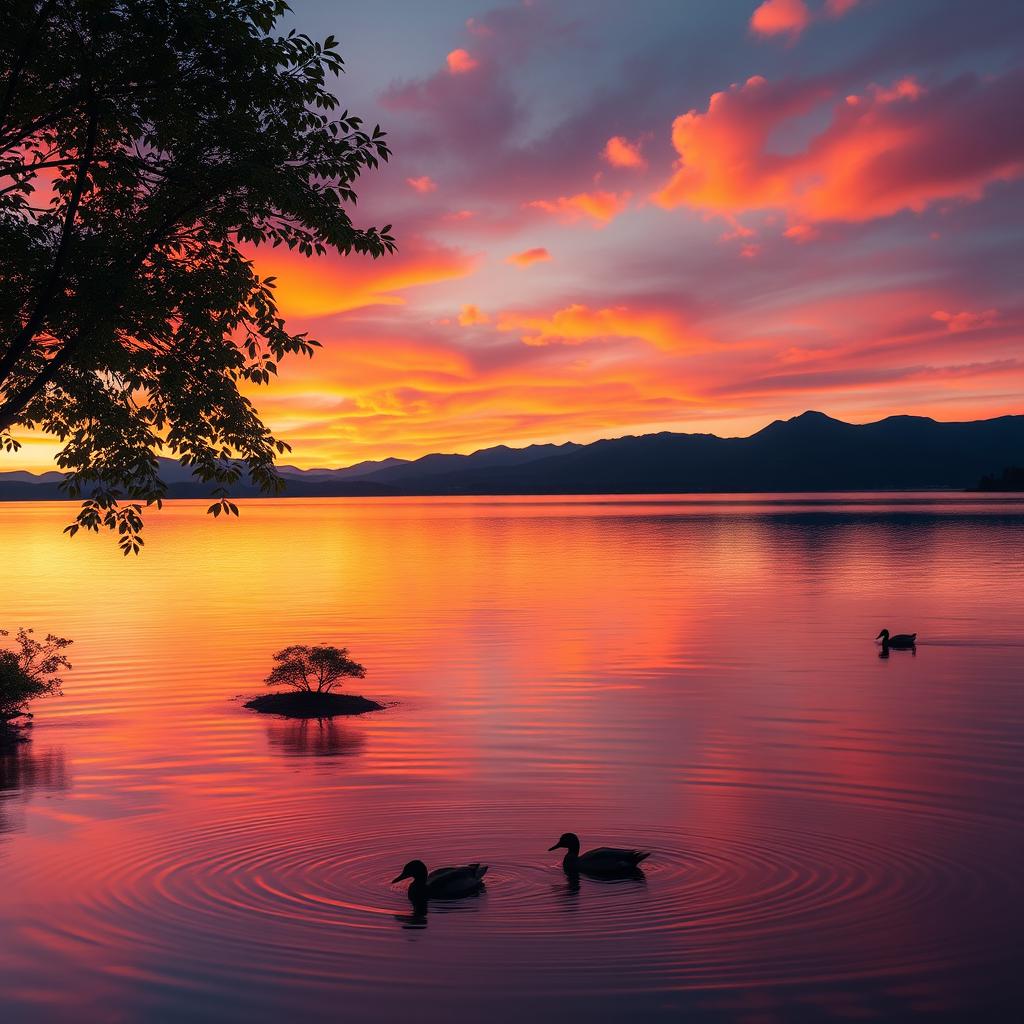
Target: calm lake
{"x":835,"y":835}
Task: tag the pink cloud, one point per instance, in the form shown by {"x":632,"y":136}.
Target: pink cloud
{"x":780,"y":17}
{"x":891,"y":149}
{"x":422,"y":184}
{"x":460,"y":61}
{"x":801,"y":233}
{"x":791,"y":17}
{"x":602,"y":207}
{"x":620,"y":152}
{"x":529,"y":257}
{"x":470,"y":315}
{"x":904,"y":89}
{"x":456,"y":111}
{"x":966,"y":320}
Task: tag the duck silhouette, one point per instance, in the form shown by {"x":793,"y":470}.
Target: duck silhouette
{"x":899,"y":642}
{"x":606,"y":861}
{"x":442,"y":883}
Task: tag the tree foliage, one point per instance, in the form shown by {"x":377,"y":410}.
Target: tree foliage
{"x":29,"y":670}
{"x":144,"y":145}
{"x":1011,"y":479}
{"x":317,"y":669}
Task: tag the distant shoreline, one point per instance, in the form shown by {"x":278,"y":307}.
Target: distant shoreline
{"x":810,"y":453}
{"x":809,"y":496}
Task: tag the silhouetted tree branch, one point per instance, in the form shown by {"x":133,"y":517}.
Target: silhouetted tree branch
{"x":143,"y":145}
{"x":316,"y":669}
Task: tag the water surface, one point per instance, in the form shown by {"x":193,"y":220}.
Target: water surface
{"x":835,"y":835}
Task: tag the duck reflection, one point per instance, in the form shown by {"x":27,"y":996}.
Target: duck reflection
{"x":567,"y":895}
{"x":314,"y":737}
{"x":417,"y":916}
{"x":573,"y":879}
{"x":883,"y":652}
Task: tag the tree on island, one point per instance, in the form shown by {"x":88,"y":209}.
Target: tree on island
{"x":316,"y":669}
{"x":144,"y":148}
{"x":29,"y":671}
{"x":311,"y":674}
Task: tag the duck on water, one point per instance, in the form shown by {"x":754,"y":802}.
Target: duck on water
{"x":442,"y":883}
{"x":899,"y":641}
{"x":605,"y":861}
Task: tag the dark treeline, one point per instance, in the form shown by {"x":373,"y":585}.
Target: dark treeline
{"x":811,"y":452}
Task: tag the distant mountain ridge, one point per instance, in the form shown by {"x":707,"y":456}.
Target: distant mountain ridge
{"x":810,"y":452}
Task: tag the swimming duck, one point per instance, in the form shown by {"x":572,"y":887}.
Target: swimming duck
{"x":903,"y":640}
{"x":605,"y":860}
{"x":442,"y":883}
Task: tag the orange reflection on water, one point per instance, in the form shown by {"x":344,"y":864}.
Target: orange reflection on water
{"x":694,"y":676}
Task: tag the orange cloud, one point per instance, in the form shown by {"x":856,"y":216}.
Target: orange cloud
{"x":620,"y":152}
{"x":602,"y":207}
{"x":377,"y":390}
{"x":407,"y":388}
{"x":966,"y":320}
{"x":576,"y":324}
{"x":529,"y":256}
{"x":470,"y":315}
{"x":778,"y":17}
{"x":891,"y":149}
{"x":337,"y":284}
{"x":400,"y":385}
{"x":837,"y":8}
{"x":422,"y":184}
{"x":801,"y":233}
{"x":460,"y":61}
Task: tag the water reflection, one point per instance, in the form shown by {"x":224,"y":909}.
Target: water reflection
{"x":568,"y":894}
{"x":832,"y":836}
{"x":883,"y":651}
{"x":420,"y":909}
{"x":417,"y":917}
{"x":314,"y":737}
{"x":24,"y":769}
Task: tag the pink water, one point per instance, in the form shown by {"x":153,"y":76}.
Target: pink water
{"x":834,"y":835}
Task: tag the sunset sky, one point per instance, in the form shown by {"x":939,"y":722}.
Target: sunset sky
{"x":622,"y":217}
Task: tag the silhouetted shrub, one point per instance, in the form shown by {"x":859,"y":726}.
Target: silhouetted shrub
{"x":1012,"y":479}
{"x":29,"y":670}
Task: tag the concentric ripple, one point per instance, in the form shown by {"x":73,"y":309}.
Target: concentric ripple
{"x":757,"y":905}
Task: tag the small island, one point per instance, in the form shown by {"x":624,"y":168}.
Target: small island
{"x":310,"y":704}
{"x":311,"y":674}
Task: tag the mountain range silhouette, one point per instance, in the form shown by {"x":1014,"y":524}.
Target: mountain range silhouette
{"x":810,"y":452}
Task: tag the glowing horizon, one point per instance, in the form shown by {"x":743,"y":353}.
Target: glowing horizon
{"x":726,"y":215}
